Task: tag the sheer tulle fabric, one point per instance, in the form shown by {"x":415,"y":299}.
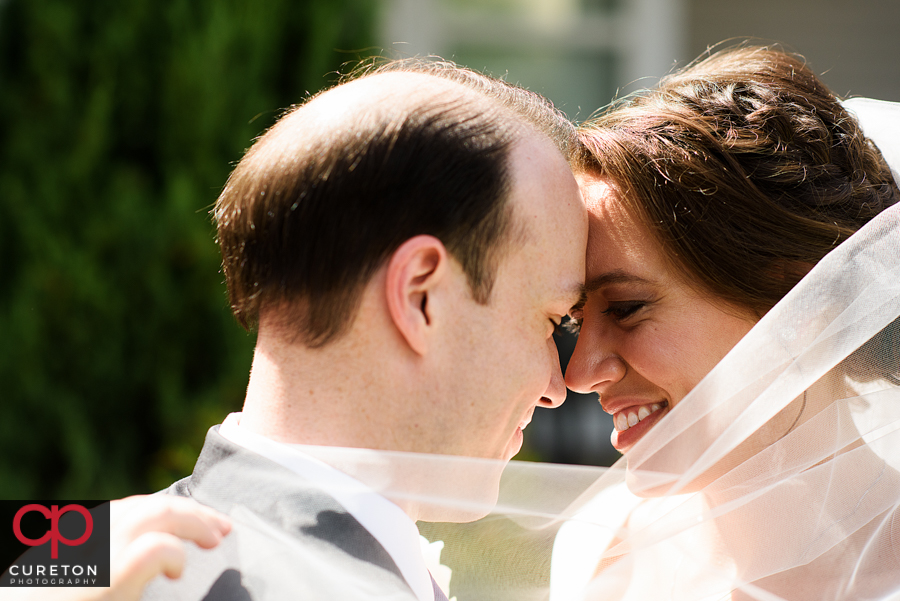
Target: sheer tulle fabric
{"x":777,"y":477}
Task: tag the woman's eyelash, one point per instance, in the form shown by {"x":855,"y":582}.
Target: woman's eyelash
{"x":623,"y":310}
{"x":620,"y":311}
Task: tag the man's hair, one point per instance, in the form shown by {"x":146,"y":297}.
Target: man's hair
{"x":745,"y":167}
{"x":311,"y":213}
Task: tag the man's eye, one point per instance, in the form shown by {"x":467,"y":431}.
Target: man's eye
{"x":575,"y":317}
{"x":621,"y":311}
{"x":572,"y":324}
{"x":558,"y":327}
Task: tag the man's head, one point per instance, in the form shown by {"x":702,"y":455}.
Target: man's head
{"x":420,"y":228}
{"x":320,"y":202}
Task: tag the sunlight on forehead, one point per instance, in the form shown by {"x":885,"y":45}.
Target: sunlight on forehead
{"x":620,"y":250}
{"x":376,"y":93}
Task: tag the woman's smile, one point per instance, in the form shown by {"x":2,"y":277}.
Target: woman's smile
{"x":633,"y":422}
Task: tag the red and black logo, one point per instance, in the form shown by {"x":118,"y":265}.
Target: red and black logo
{"x":54,"y":543}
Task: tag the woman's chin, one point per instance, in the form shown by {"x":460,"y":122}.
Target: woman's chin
{"x":649,"y":482}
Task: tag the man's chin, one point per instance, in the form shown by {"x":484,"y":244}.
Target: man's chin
{"x":464,"y":490}
{"x":515,"y":445}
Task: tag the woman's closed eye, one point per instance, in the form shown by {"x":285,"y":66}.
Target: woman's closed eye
{"x":622,"y":310}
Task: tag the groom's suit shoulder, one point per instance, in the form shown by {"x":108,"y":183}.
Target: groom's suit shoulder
{"x":289,"y":538}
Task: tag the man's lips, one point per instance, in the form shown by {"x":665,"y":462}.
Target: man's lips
{"x":518,"y":436}
{"x":527,"y":419}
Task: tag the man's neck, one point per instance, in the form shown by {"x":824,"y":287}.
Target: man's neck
{"x":360,"y":394}
{"x":309,"y":396}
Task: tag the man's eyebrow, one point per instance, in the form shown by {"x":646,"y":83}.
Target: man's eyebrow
{"x":617,"y":276}
{"x":575,"y":291}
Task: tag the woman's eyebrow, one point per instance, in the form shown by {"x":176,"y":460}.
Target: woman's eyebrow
{"x":617,"y":276}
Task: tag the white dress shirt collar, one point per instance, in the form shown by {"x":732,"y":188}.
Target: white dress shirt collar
{"x":389,"y":524}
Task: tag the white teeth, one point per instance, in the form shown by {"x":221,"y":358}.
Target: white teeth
{"x":627,"y":419}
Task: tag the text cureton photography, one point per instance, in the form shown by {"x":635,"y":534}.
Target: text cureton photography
{"x":55,"y":543}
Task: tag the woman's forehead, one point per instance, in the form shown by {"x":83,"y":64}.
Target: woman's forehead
{"x":617,"y":242}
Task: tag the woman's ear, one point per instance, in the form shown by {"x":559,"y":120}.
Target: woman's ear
{"x":413,"y":271}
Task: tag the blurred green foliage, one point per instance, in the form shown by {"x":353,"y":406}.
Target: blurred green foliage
{"x":119,"y":123}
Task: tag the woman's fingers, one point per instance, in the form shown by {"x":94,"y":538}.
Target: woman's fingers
{"x":147,"y":534}
{"x":183,"y":518}
{"x":147,"y":539}
{"x":146,"y":557}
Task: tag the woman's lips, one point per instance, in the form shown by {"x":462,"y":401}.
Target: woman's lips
{"x":633,"y":422}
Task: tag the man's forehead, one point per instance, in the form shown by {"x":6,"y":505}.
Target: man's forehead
{"x":542,"y":180}
{"x":553,"y":219}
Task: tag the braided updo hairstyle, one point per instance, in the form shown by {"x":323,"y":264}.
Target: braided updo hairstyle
{"x":745,"y":167}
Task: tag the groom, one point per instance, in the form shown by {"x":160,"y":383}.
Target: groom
{"x":405,"y":243}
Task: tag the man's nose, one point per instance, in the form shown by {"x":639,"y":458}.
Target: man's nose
{"x":556,"y":390}
{"x":593,"y":368}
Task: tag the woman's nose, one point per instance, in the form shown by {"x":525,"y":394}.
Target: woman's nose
{"x":593,"y":368}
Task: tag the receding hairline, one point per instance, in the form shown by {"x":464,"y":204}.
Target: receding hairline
{"x":378,"y":108}
{"x":370,"y":103}
{"x":384,"y":95}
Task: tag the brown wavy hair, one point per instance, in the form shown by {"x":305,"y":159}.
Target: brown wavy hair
{"x":745,"y":167}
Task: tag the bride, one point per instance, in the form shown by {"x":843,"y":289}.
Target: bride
{"x":741,"y":325}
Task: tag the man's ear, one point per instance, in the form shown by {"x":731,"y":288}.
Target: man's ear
{"x":413,"y":271}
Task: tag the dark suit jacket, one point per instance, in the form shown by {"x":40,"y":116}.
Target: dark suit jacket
{"x":289,"y":539}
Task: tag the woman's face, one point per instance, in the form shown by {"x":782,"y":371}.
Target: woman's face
{"x":647,"y":336}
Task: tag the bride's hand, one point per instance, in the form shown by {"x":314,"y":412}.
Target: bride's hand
{"x":147,"y":534}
